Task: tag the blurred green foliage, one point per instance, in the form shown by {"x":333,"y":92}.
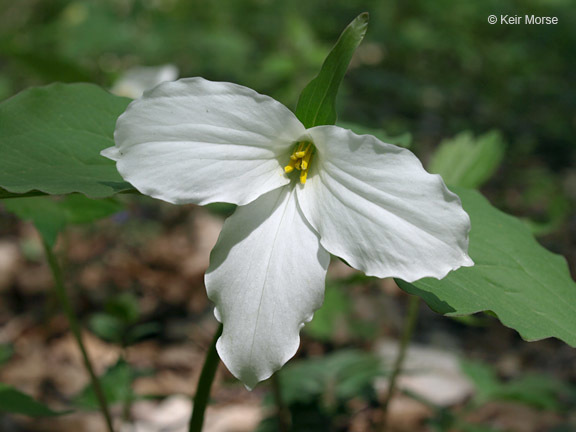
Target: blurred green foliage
{"x":51,"y":215}
{"x":119,"y":322}
{"x":434,"y":68}
{"x":6,"y":351}
{"x":431,"y":69}
{"x":116,"y":384}
{"x":14,"y":401}
{"x":540,"y":391}
{"x":316,"y":390}
{"x":467,"y":161}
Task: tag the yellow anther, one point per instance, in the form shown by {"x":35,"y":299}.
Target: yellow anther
{"x":306,"y":160}
{"x":290,"y":167}
{"x":303,"y":176}
{"x":301,"y":152}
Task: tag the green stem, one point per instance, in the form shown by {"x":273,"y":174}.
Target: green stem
{"x":408,"y":331}
{"x":204,"y":384}
{"x":281,"y":410}
{"x":62,"y":295}
{"x":129,"y":397}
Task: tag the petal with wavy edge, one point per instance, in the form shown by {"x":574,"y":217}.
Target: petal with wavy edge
{"x":375,"y":206}
{"x":197,"y":141}
{"x":266,"y":278}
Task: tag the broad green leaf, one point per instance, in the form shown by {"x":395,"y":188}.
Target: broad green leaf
{"x":51,"y":138}
{"x":47,"y":64}
{"x":529,"y":288}
{"x":466,"y":161}
{"x":317,"y":102}
{"x":16,"y":402}
{"x":4,"y":194}
{"x":50,"y":215}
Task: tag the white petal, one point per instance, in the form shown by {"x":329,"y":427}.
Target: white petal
{"x":376,"y":207}
{"x":197,"y":141}
{"x":266,"y":277}
{"x":111,"y":153}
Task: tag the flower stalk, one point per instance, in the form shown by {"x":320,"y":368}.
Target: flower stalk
{"x":62,"y":295}
{"x":205,"y":384}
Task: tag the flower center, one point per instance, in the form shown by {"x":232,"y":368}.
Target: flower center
{"x":300,"y":159}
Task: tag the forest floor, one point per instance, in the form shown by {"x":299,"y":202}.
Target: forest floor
{"x":157,"y":255}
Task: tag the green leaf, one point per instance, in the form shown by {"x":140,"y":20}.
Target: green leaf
{"x":51,"y":138}
{"x":125,"y":307}
{"x":6,"y":352}
{"x":526,"y":286}
{"x":539,"y":391}
{"x":47,"y":64}
{"x":335,"y":307}
{"x":116,"y":384}
{"x":4,"y":194}
{"x":466,"y":161}
{"x":50,"y":215}
{"x":344,"y":374}
{"x":107,"y":327}
{"x":122,"y":311}
{"x":484,"y":377}
{"x":16,"y":402}
{"x":317,"y":102}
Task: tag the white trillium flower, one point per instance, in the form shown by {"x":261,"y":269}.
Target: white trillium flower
{"x":303,"y":194}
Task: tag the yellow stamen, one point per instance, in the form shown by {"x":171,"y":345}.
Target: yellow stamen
{"x":300,"y":160}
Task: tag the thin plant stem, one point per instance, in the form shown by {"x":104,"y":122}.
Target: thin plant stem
{"x":129,"y":398}
{"x":408,"y":331}
{"x":62,"y":295}
{"x":282,"y":412}
{"x":205,"y":384}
